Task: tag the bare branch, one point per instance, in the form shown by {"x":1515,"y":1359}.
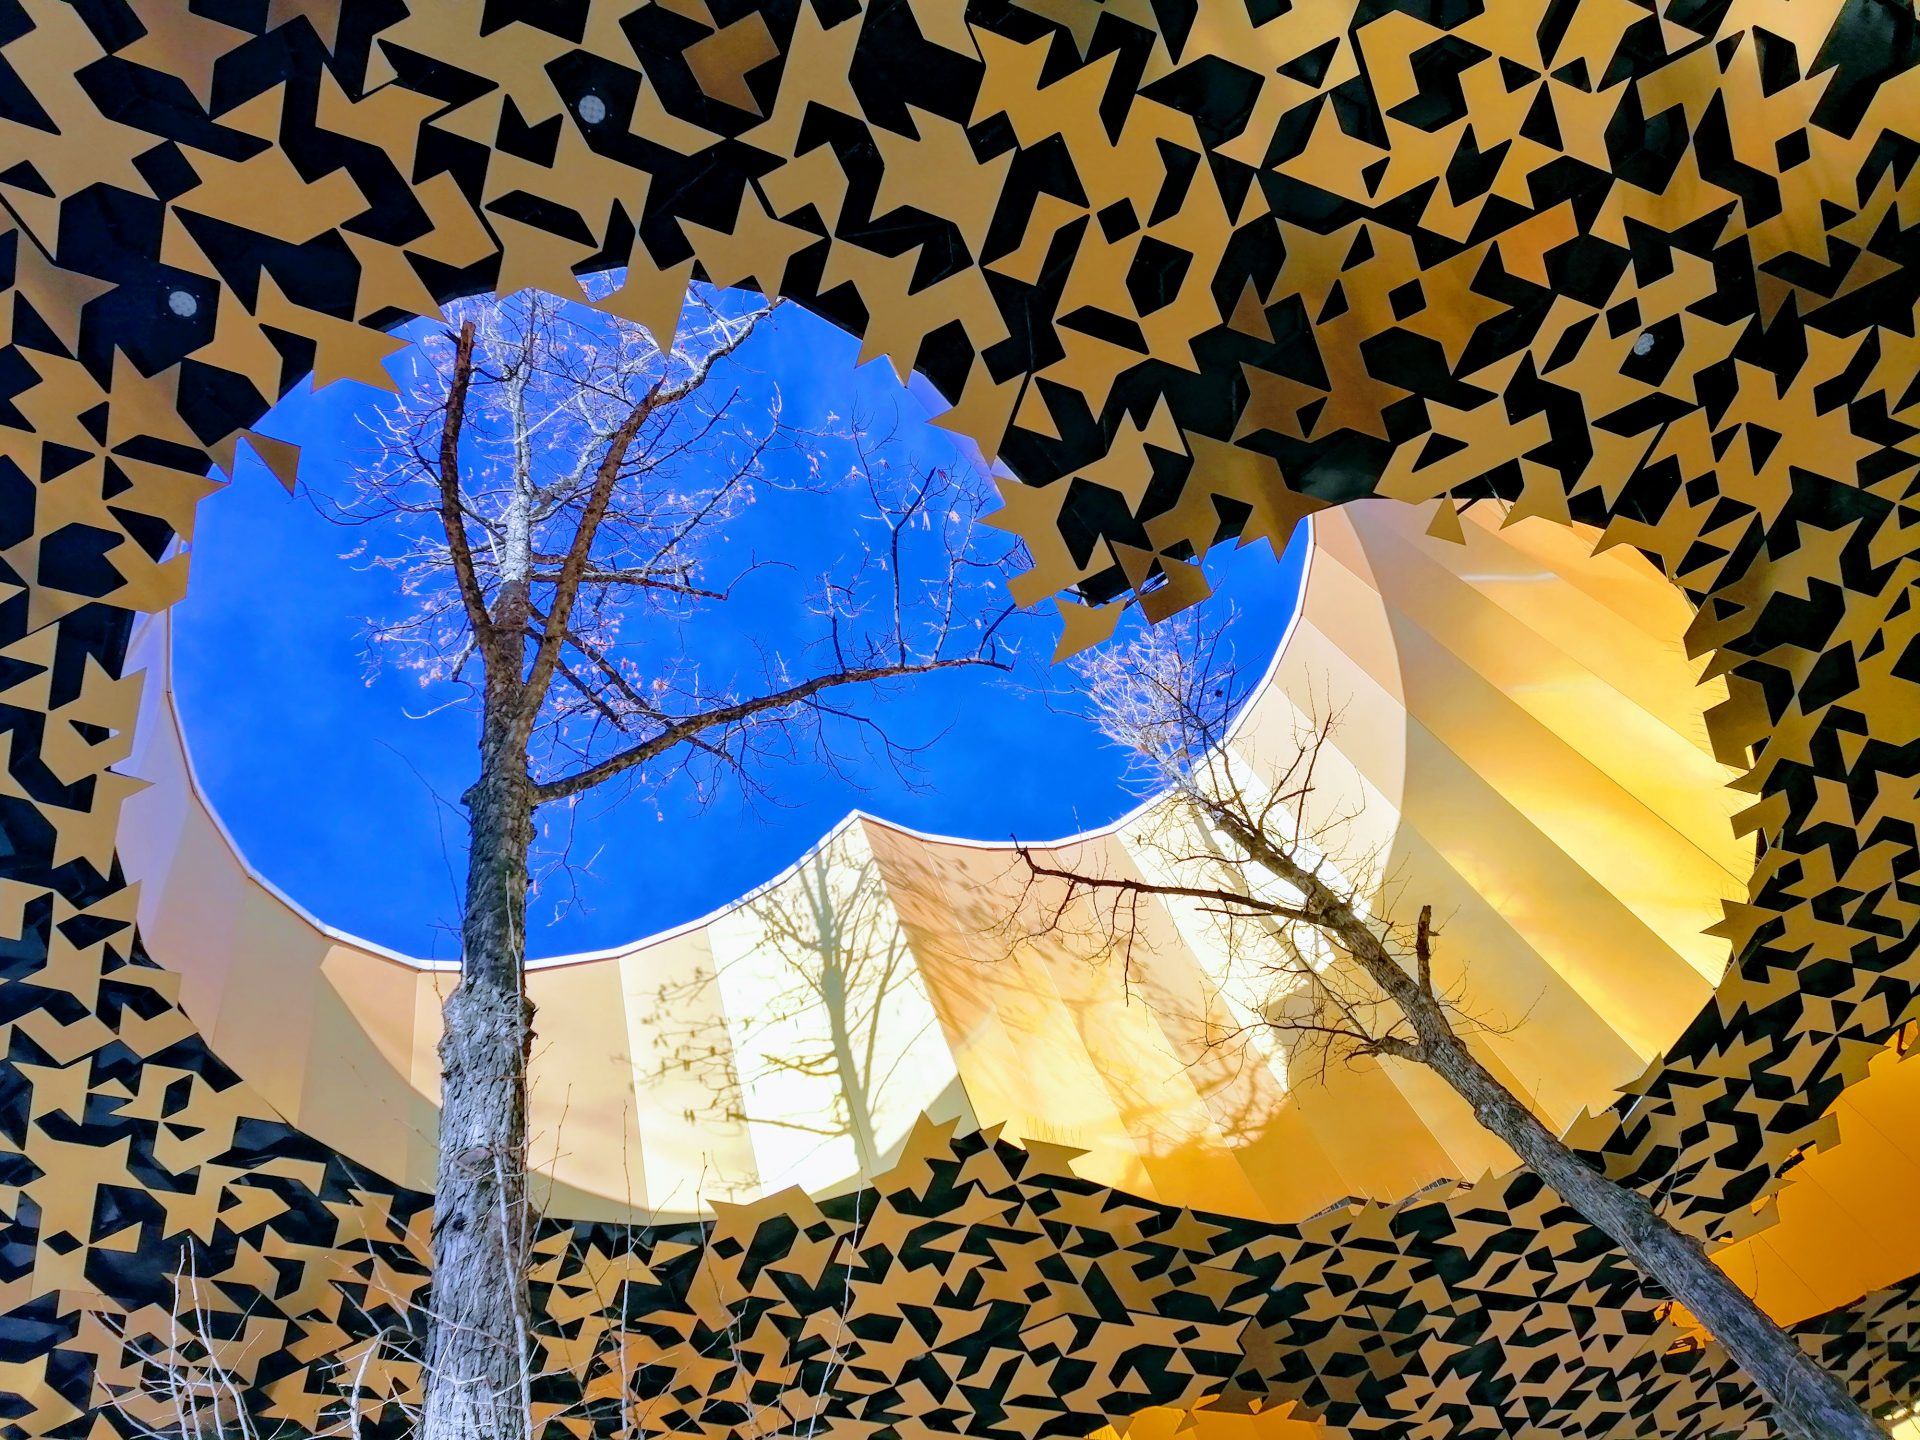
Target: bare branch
{"x":686,"y":728}
{"x":566,"y":585}
{"x":1423,"y":949}
{"x":452,"y":508}
{"x":1234,"y":901}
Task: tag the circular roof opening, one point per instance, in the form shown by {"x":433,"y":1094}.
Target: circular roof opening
{"x":339,"y":779}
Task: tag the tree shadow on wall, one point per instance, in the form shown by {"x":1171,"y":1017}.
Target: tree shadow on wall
{"x":821,"y":1014}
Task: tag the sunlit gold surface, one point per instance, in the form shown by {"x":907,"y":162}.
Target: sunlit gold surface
{"x":1520,"y":744}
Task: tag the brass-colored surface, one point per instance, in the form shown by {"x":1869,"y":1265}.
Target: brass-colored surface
{"x":1523,"y":746}
{"x":1190,"y":275}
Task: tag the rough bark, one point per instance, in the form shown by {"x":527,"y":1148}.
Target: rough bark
{"x":1808,"y":1402}
{"x":518,"y":598}
{"x":476,"y":1371}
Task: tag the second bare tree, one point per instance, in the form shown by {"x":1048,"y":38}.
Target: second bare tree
{"x":1238,"y":845}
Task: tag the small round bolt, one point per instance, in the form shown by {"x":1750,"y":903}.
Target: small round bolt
{"x":182,"y":303}
{"x":592,"y":109}
{"x":1643,"y":345}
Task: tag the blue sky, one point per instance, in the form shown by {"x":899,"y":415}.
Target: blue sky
{"x":341,"y":788}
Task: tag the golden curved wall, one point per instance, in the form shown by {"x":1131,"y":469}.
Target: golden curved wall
{"x":1521,"y":743}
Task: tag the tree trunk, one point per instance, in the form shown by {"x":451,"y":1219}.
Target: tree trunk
{"x":1808,"y":1403}
{"x":477,"y":1331}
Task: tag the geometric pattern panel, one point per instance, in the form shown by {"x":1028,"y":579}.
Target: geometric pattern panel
{"x":1190,"y":272}
{"x":977,"y":1289}
{"x":1187,"y":275}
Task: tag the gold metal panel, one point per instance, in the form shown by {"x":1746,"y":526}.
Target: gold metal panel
{"x":1319,"y":253}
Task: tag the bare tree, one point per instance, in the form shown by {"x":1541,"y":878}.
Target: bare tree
{"x":559,"y":485}
{"x":1344,"y":981}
